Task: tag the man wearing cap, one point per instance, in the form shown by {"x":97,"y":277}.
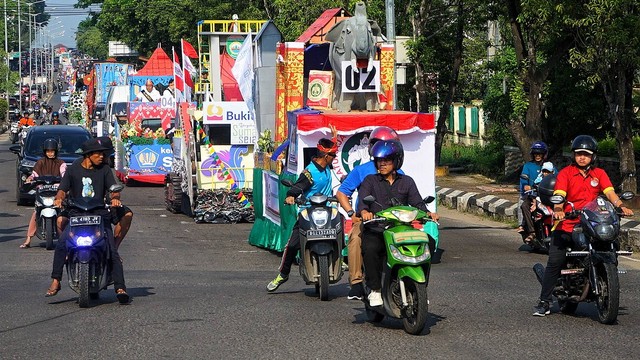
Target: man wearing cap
{"x":315,"y":178}
{"x":89,"y":179}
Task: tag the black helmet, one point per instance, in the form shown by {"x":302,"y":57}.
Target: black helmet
{"x":50,"y":144}
{"x":54,"y":114}
{"x":388,"y":149}
{"x":546,"y":188}
{"x":585,"y":143}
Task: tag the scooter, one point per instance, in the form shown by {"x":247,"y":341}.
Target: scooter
{"x":88,"y":255}
{"x":321,"y":241}
{"x":405,"y":274}
{"x":15,"y":129}
{"x":46,"y":213}
{"x":591,"y":271}
{"x":23,"y":134}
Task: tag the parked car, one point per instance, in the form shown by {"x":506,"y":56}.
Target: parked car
{"x":70,"y":139}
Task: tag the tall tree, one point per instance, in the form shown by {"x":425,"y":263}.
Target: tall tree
{"x":608,"y":47}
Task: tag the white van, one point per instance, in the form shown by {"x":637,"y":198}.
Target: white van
{"x":116,"y":106}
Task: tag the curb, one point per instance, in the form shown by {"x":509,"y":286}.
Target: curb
{"x":505,"y":210}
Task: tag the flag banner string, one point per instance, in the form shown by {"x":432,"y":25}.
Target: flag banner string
{"x":222,"y":168}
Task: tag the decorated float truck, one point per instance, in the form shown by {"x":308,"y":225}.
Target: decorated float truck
{"x":143,"y":153}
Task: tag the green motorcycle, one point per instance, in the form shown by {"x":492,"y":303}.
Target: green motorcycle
{"x":406,"y":270}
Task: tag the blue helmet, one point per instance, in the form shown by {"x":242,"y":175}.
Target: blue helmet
{"x":388,"y":149}
{"x":539,"y":147}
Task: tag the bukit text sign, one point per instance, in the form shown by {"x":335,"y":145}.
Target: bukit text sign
{"x":225,"y":112}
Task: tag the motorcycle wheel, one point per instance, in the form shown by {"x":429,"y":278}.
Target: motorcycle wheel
{"x":323,"y":267}
{"x":83,"y":280}
{"x":568,"y":307}
{"x":48,"y":233}
{"x":416,"y":313}
{"x":608,"y":301}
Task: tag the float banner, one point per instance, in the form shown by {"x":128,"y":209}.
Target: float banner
{"x":225,"y":112}
{"x":108,"y":75}
{"x":270,"y":197}
{"x":150,"y":159}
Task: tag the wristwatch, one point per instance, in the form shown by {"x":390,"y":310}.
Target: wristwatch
{"x":350,"y":213}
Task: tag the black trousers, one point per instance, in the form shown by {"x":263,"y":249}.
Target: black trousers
{"x":290,"y":251}
{"x":117,"y":271}
{"x":373,"y":253}
{"x":557,"y":258}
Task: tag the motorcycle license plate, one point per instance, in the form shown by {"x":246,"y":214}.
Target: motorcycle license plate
{"x":85,"y":220}
{"x":52,"y":187}
{"x":321,"y":233}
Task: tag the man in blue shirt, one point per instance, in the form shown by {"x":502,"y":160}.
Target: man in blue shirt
{"x":315,"y":178}
{"x":346,"y":190}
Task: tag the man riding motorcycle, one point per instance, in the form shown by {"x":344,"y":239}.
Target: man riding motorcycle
{"x":389,"y":188}
{"x":579,"y":183}
{"x":530,"y":172}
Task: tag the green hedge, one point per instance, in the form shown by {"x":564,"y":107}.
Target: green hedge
{"x":486,"y":160}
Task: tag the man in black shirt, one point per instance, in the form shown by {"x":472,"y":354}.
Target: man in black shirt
{"x":390,"y":189}
{"x":89,"y":179}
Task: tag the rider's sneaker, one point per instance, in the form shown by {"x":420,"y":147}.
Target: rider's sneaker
{"x":542,"y":309}
{"x":375,"y":298}
{"x":275,"y":283}
{"x":356,"y":292}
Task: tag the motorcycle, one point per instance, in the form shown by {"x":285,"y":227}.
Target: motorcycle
{"x":321,"y":241}
{"x":405,"y":275}
{"x":46,"y":188}
{"x":88,"y":255}
{"x":23,"y":134}
{"x":591,"y":271}
{"x":13,"y":135}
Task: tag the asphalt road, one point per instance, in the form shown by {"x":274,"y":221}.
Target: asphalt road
{"x":199,"y":293}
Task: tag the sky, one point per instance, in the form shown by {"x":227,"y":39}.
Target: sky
{"x":64,"y":18}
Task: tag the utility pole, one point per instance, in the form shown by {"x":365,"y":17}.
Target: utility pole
{"x":6,"y":50}
{"x":20,"y":51}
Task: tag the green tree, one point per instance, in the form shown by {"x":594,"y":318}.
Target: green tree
{"x":90,"y":41}
{"x":607,"y":46}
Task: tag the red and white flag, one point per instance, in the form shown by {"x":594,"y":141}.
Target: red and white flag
{"x":178,"y":75}
{"x":189,"y":70}
{"x":187,"y":49}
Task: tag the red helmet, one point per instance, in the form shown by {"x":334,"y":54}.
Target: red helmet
{"x":381,"y":133}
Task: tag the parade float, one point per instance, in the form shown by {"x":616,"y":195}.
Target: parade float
{"x":355,"y":96}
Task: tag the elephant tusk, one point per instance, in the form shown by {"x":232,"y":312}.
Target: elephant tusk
{"x":354,"y":64}
{"x":370,"y":65}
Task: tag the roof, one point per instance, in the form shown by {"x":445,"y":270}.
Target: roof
{"x":265,"y":27}
{"x":328,"y":17}
{"x":159,"y":64}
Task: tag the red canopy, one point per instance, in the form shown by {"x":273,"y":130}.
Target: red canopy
{"x":158,"y":65}
{"x":403,"y":122}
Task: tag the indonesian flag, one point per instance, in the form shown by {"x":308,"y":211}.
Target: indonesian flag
{"x":187,"y":49}
{"x":189,"y":70}
{"x":177,"y":73}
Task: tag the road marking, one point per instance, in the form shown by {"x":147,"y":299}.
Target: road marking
{"x":628,"y":258}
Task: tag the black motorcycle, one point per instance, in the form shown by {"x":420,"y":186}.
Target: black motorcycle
{"x":321,"y":241}
{"x":591,"y":271}
{"x":88,"y":255}
{"x":46,"y":188}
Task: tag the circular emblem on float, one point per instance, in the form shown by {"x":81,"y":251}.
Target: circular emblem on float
{"x":355,"y":151}
{"x":234,"y":43}
{"x":594,"y":182}
{"x":316,"y":90}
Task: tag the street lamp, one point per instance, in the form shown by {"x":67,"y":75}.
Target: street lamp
{"x":30,"y":44}
{"x":6,"y":50}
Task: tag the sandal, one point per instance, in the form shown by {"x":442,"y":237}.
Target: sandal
{"x":25,"y":246}
{"x":122,"y":296}
{"x":53,"y":292}
{"x":529,"y":238}
{"x":520,"y":229}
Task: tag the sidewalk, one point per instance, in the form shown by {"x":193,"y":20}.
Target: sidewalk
{"x":480,"y":195}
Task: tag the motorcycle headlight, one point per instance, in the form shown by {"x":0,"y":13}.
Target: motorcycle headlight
{"x":84,"y":241}
{"x":320,"y":217}
{"x":405,"y":215}
{"x":409,"y":259}
{"x":47,"y":201}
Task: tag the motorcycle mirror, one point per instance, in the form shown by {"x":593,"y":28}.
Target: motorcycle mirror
{"x":627,"y":195}
{"x":286,"y":182}
{"x":15,"y":149}
{"x":116,"y":188}
{"x":369,"y":199}
{"x":556,"y":199}
{"x":524,"y":176}
{"x":428,"y":199}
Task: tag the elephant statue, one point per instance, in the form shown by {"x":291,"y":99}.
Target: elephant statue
{"x":353,"y":40}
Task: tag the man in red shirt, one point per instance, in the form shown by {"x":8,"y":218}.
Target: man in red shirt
{"x":579,"y":183}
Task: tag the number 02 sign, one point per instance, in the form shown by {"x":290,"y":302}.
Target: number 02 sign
{"x":360,"y":81}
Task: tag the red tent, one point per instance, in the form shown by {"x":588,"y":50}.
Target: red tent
{"x":158,"y":65}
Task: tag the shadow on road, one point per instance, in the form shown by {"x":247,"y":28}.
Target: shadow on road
{"x":392,"y":323}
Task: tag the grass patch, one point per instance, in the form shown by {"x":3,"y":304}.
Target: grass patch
{"x":486,"y":160}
